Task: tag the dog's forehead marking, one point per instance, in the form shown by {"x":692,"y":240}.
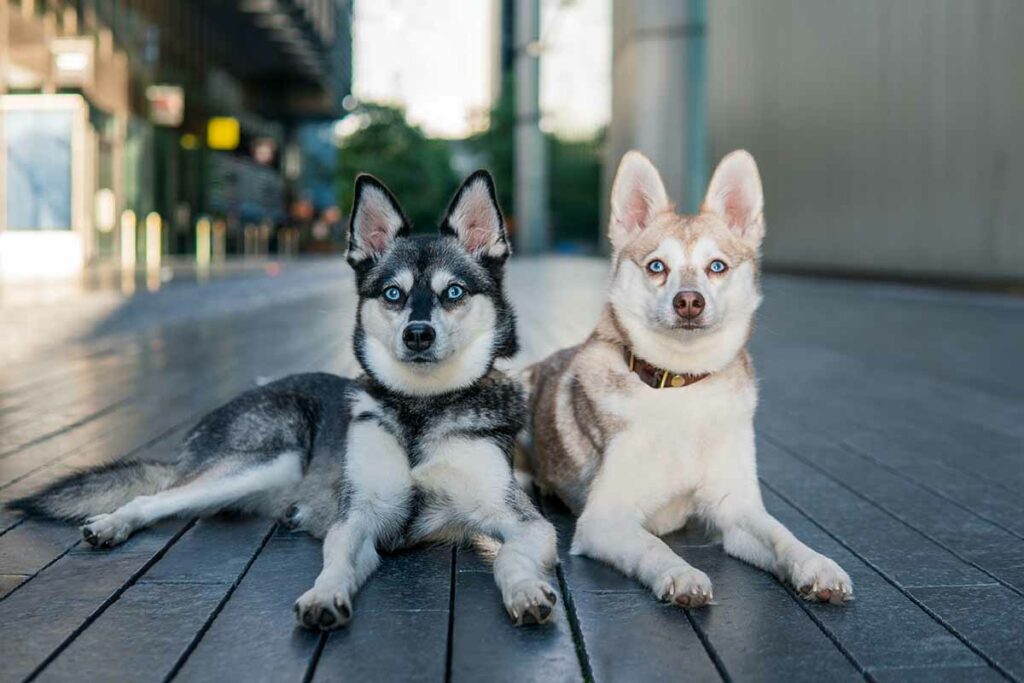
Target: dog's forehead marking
{"x":704,"y":249}
{"x":404,"y":279}
{"x":671,"y":251}
{"x":701,"y":237}
{"x":441,"y":278}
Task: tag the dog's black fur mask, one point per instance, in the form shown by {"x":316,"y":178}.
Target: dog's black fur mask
{"x":433,"y":315}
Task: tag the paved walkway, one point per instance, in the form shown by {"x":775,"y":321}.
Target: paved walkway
{"x":890,"y":437}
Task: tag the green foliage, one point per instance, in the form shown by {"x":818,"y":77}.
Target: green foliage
{"x":574,"y":177}
{"x":497,"y":145}
{"x":574,"y":188}
{"x":415,"y":168}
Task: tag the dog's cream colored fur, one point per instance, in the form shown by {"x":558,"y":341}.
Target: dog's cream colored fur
{"x":636,"y":462}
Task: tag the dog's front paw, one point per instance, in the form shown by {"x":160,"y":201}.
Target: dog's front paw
{"x":323,"y":609}
{"x":530,"y":602}
{"x":106,"y":531}
{"x":684,"y":586}
{"x":820,"y":578}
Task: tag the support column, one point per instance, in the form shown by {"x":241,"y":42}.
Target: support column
{"x":531,"y":195}
{"x":659,"y":93}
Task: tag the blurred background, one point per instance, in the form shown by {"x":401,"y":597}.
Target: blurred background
{"x":179,"y":136}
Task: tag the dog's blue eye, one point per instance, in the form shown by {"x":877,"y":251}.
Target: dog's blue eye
{"x":455,"y":292}
{"x":718,"y":266}
{"x":656,"y":266}
{"x":392,"y":294}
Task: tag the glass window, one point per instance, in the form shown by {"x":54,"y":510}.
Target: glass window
{"x":38,"y":169}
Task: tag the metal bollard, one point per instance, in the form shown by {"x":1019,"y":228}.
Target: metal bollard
{"x":220,"y":241}
{"x":203,"y":242}
{"x":128,"y":240}
{"x":154,"y":247}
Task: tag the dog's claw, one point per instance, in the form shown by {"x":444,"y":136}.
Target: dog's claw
{"x":319,"y":611}
{"x":531,"y":603}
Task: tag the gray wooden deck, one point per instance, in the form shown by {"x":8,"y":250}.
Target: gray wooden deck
{"x":890,"y":432}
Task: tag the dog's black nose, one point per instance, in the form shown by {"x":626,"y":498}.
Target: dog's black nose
{"x":418,"y":336}
{"x":688,"y":304}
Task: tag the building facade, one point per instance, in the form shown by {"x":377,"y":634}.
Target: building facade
{"x":136,"y":128}
{"x":886,"y":131}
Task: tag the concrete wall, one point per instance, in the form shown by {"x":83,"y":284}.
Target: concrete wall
{"x":657,"y":76}
{"x":890,"y":133}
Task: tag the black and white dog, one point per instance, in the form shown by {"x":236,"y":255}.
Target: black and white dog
{"x":417,"y":449}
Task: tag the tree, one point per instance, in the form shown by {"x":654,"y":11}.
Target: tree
{"x":574,"y":174}
{"x":497,"y":145}
{"x":417,"y":169}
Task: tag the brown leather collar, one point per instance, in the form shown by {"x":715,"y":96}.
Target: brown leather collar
{"x":658,"y":378}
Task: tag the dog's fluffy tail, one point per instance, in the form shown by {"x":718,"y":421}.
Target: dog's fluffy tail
{"x":97,"y":490}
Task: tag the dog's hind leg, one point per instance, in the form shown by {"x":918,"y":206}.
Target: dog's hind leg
{"x":216,"y":488}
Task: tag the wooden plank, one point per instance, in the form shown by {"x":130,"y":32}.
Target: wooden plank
{"x":199,"y":365}
{"x":795,"y":375}
{"x":901,"y":552}
{"x":989,"y":617}
{"x":625,"y":632}
{"x":993,"y":550}
{"x":878,"y":539}
{"x":487,"y":646}
{"x":8,"y":582}
{"x":254,"y":637}
{"x":757,"y":628}
{"x":47,"y":613}
{"x":931,"y":463}
{"x":140,"y":637}
{"x":972,"y":352}
{"x":399,"y":627}
{"x":882,"y":629}
{"x":938,"y":674}
{"x":100,"y":560}
{"x":215,"y":550}
{"x":177,"y":363}
{"x":987,"y":454}
{"x":183,"y":588}
{"x":32,"y":545}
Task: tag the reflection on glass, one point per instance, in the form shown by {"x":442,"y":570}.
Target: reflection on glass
{"x":38,"y":169}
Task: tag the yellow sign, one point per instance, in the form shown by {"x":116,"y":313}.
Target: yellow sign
{"x":223,"y":132}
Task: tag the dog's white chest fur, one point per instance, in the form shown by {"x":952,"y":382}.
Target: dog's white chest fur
{"x":678,"y":447}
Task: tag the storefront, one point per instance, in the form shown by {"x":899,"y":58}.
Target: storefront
{"x":49,"y":180}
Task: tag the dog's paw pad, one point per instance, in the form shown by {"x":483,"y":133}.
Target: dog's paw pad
{"x":105,"y":531}
{"x":685,"y":587}
{"x":822,"y":580}
{"x":323,"y":610}
{"x":531,"y":602}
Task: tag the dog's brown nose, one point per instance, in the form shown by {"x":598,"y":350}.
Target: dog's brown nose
{"x":688,"y":305}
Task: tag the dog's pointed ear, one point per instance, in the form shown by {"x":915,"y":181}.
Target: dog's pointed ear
{"x":474,"y":218}
{"x":638,"y":195}
{"x":376,"y":222}
{"x":735,"y":195}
